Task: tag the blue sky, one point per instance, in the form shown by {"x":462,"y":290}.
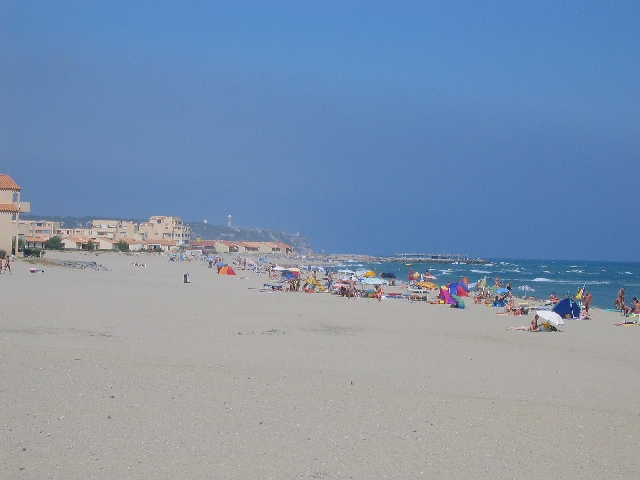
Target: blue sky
{"x":497,"y":129}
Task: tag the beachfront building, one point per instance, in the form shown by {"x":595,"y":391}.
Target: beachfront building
{"x":39,"y":228}
{"x":166,"y":228}
{"x":159,"y":245}
{"x":117,"y":229}
{"x":224,"y":246}
{"x":279,"y":247}
{"x":10,"y":208}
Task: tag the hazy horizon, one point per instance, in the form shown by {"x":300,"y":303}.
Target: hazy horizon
{"x":498,"y":129}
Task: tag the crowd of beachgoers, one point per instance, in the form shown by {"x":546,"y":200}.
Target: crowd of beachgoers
{"x":288,"y":274}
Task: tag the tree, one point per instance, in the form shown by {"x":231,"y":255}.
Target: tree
{"x":54,"y":243}
{"x":122,"y":246}
{"x":90,"y":246}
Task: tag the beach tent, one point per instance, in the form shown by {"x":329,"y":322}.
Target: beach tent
{"x":458,"y":289}
{"x":459,"y":301}
{"x":464,"y":283}
{"x":567,"y":307}
{"x":444,"y":295}
{"x":226,"y":271}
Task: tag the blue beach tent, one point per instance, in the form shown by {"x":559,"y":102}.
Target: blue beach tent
{"x":567,"y":307}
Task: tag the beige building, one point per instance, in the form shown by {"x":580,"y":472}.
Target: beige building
{"x":166,"y":228}
{"x":117,"y":230}
{"x":222,"y":246}
{"x":10,"y":208}
{"x":39,"y":228}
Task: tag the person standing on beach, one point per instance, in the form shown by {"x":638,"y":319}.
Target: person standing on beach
{"x":619,"y":301}
{"x":586,"y":301}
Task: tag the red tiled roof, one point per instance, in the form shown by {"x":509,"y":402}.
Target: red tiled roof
{"x":8,"y":207}
{"x":7,"y":183}
{"x":159,"y":241}
{"x":228,"y":244}
{"x":36,"y":239}
{"x":204,"y":243}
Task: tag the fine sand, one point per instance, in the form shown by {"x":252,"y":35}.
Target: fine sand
{"x":131,"y":373}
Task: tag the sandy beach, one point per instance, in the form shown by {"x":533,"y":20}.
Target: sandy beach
{"x":131,"y":373}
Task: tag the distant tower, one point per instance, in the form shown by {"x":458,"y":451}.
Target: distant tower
{"x":229,"y":221}
{"x":205,"y":220}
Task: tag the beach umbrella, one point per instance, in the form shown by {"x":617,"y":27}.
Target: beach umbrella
{"x":373,"y":281}
{"x":526,"y":288}
{"x":458,"y":300}
{"x":501,"y":291}
{"x":551,"y":317}
{"x":369,"y":273}
{"x":221,"y":264}
{"x":262,"y":259}
{"x":387,"y":275}
{"x":279,"y":269}
{"x":427,"y":285}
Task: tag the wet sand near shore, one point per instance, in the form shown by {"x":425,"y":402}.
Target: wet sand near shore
{"x":131,"y":373}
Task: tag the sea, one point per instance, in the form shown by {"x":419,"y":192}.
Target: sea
{"x":602,"y":279}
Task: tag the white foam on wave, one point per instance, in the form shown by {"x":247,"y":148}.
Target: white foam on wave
{"x":480,"y":271}
{"x":567,"y":282}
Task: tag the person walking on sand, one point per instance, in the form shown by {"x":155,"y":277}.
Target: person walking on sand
{"x":532,"y":327}
{"x":7,"y":264}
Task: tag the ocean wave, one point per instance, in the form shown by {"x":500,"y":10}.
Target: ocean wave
{"x":480,"y":271}
{"x":566,"y":282}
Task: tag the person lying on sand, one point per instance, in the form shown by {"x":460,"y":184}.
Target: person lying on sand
{"x":511,"y":309}
{"x":532,"y":327}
